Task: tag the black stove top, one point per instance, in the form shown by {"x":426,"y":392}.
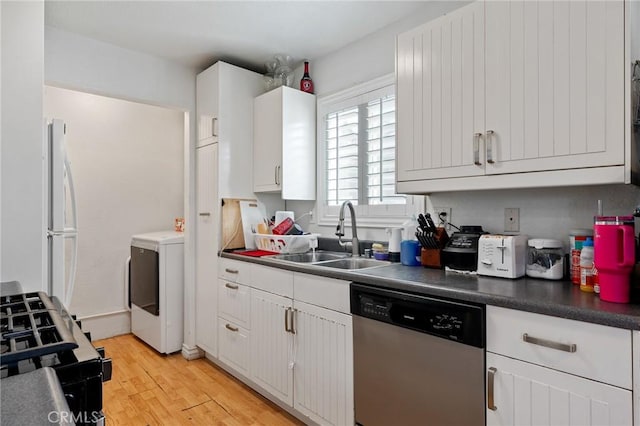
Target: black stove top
{"x":31,"y":326}
{"x":37,"y":331}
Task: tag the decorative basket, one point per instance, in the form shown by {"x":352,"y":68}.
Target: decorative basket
{"x":285,"y":243}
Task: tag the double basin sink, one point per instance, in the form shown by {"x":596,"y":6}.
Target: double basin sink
{"x":330,"y":260}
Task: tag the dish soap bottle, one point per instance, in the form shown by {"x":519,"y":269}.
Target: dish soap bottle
{"x":306,"y":84}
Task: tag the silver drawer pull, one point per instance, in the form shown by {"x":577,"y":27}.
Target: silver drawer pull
{"x":566,"y":347}
{"x":231,"y":286}
{"x":491,"y":375}
{"x":231,"y":271}
{"x":230,"y":327}
{"x":204,"y":214}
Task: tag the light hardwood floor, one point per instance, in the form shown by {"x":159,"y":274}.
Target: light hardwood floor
{"x":147,"y":388}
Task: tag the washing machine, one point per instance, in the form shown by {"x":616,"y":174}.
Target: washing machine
{"x":157,"y":287}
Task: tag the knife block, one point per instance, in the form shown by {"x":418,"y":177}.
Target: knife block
{"x":431,"y":258}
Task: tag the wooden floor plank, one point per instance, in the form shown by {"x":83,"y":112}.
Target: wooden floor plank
{"x":147,"y":388}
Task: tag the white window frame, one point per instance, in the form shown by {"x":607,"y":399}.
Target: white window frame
{"x":371,"y":216}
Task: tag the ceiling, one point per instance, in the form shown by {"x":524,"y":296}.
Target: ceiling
{"x":246,"y":33}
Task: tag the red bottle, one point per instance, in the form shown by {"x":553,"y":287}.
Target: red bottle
{"x":306,"y":84}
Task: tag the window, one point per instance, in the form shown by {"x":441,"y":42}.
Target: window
{"x":356,"y":152}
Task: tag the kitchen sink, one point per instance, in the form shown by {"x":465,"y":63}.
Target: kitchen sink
{"x":353,"y":263}
{"x":310,"y":257}
{"x":330,"y":259}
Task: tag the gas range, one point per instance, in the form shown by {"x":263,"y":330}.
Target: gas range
{"x":37,"y":331}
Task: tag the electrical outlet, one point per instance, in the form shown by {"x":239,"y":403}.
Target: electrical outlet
{"x":512,"y":220}
{"x":442,"y":217}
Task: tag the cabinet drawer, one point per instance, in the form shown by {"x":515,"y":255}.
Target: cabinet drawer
{"x":234,"y":302}
{"x":600,"y":353}
{"x":235,"y":271}
{"x":320,"y":291}
{"x":272,"y":280}
{"x":233,"y":345}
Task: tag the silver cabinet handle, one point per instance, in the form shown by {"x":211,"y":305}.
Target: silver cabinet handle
{"x":231,"y":286}
{"x":476,"y":149}
{"x":566,"y":347}
{"x":214,"y":121}
{"x":490,"y":134}
{"x":277,"y":175}
{"x":286,"y":321}
{"x":293,"y":320}
{"x":491,"y":376}
{"x":230,"y":327}
{"x":204,"y":214}
{"x":231,"y":271}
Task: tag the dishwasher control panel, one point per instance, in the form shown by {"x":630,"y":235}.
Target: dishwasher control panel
{"x":460,"y":322}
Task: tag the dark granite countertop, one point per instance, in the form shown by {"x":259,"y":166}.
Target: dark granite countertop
{"x":557,"y":298}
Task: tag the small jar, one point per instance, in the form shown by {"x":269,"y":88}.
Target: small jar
{"x":545,"y":259}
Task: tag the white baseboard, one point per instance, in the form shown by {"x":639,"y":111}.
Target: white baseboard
{"x":107,"y":325}
{"x":191,"y":352}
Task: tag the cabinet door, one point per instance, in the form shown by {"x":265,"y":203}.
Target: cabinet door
{"x":267,"y":141}
{"x":323,"y":365}
{"x":554,"y":84}
{"x":271,"y":345}
{"x":206,"y":236}
{"x":207,"y":106}
{"x":440,"y":97}
{"x":527,"y":394}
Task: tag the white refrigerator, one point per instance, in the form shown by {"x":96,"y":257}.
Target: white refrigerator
{"x":61,"y":218}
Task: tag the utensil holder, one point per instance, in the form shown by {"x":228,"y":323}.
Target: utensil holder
{"x":431,"y":258}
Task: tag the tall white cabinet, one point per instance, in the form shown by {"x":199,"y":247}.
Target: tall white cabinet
{"x":501,"y":88}
{"x":224,"y":97}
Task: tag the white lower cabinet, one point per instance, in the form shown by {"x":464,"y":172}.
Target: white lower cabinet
{"x":544,"y":370}
{"x":271,"y":344}
{"x":233,"y":345}
{"x":527,"y":394}
{"x":323,"y":354}
{"x":299,"y":351}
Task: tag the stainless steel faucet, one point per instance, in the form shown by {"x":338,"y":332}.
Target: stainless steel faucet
{"x":355,"y":244}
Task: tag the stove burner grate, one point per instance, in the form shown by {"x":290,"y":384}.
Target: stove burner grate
{"x":31,"y":326}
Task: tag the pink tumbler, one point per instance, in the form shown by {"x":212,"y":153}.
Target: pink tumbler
{"x":614,"y":256}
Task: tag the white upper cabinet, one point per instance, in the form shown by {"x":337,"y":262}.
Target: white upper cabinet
{"x":440,"y":97}
{"x":505,"y":94}
{"x":284,"y":149}
{"x":207,"y":103}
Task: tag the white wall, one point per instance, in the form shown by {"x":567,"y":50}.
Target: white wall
{"x":22,"y":220}
{"x":544,"y":212}
{"x":84,"y":64}
{"x":127,"y":163}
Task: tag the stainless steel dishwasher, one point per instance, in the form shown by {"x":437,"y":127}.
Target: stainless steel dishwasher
{"x":417,"y":360}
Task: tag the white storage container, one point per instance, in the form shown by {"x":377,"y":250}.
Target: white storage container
{"x":545,"y":259}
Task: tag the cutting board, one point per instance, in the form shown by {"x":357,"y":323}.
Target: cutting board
{"x":252,"y":213}
{"x":232,"y":235}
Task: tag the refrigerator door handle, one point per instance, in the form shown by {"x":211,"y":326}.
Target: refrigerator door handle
{"x":72,"y":233}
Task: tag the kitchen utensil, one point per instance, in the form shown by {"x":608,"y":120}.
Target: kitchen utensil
{"x":282,"y":215}
{"x":252,"y":213}
{"x":614,"y":256}
{"x":502,"y":255}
